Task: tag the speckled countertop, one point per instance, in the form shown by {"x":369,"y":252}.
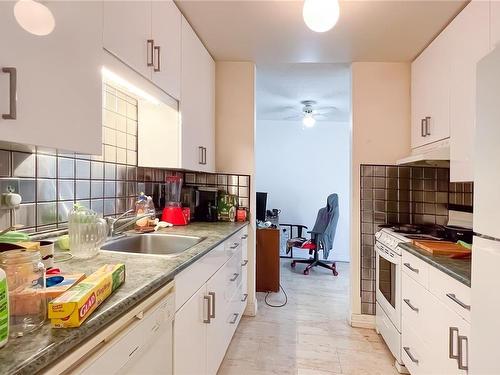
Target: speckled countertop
{"x":459,"y":269}
{"x":145,"y":275}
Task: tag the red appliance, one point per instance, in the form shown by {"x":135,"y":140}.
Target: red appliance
{"x":173,"y":212}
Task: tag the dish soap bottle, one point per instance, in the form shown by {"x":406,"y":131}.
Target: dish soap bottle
{"x":141,"y":207}
{"x":4,"y":309}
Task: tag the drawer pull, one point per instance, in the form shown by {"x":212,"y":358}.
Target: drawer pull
{"x":407,"y":301}
{"x":212,"y":312}
{"x":245,"y":296}
{"x":12,"y":72}
{"x":244,"y":237}
{"x":208,"y":299}
{"x":235,"y":318}
{"x":245,"y":262}
{"x":408,"y":265}
{"x":454,"y":298}
{"x":413,"y":359}
{"x":235,"y":276}
{"x":150,"y":56}
{"x":452,"y":332}
{"x":461,"y":341}
{"x":236,"y":244}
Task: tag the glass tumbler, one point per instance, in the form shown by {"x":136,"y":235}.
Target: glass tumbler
{"x":87,"y":232}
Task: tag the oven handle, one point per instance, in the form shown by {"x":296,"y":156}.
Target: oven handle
{"x":393,"y":258}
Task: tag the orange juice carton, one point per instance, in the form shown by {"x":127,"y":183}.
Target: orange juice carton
{"x":71,"y":308}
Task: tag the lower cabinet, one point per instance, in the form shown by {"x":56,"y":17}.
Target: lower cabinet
{"x":435,"y":337}
{"x":204,"y":325}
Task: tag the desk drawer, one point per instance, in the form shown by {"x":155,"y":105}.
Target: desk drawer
{"x":416,"y":268}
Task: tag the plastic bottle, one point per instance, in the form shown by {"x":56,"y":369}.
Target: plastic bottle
{"x":4,"y":309}
{"x":140,"y":209}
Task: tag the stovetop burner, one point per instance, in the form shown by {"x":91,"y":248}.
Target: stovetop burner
{"x":417,"y":231}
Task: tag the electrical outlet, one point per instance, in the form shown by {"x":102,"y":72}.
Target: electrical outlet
{"x":8,"y":185}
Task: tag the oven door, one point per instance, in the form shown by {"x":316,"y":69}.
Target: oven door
{"x":388,"y":276}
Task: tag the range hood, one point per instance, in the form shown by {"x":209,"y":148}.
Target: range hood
{"x":435,"y":154}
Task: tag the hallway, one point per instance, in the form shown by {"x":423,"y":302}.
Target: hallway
{"x":310,"y":335}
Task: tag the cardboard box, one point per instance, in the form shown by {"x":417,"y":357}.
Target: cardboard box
{"x":72,"y":307}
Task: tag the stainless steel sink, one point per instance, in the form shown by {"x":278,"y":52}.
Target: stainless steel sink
{"x":159,"y":244}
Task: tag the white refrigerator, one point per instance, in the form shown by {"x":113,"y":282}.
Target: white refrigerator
{"x":485,"y":283}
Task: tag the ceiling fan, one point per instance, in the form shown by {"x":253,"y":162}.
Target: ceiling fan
{"x":310,"y":113}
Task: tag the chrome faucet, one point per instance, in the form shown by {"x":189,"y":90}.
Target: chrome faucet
{"x":112,"y":222}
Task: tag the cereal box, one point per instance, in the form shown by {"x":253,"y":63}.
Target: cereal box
{"x":72,"y":307}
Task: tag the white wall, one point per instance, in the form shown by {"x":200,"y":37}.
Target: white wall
{"x":380,"y":135}
{"x":299,"y":168}
{"x":235,"y":139}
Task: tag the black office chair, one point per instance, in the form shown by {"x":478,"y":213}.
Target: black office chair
{"x":322,"y":237}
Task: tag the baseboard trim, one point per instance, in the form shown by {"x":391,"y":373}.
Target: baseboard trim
{"x":362,"y":321}
{"x":251,"y":309}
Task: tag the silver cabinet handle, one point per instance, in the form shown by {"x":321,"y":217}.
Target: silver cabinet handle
{"x":150,"y":43}
{"x":235,"y":318}
{"x":245,"y":262}
{"x":200,"y":155}
{"x":235,"y":276}
{"x":235,"y":245}
{"x":427,"y":126}
{"x":244,"y":237}
{"x":212,"y":310}
{"x":204,"y":155}
{"x":413,"y":359}
{"x":245,"y":296}
{"x":408,"y":265}
{"x":461,"y":341}
{"x":454,"y":298}
{"x":208,"y":299}
{"x":12,"y":72}
{"x":422,"y":128}
{"x":451,"y":345}
{"x":157,"y":67}
{"x":407,"y":301}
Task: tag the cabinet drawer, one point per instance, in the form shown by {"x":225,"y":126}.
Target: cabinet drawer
{"x":192,"y":278}
{"x":451,"y":292}
{"x":414,"y":306}
{"x":416,"y":268}
{"x":413,"y":352}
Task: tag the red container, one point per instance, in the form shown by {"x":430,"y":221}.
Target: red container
{"x":174,"y":215}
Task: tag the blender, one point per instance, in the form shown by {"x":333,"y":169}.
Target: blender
{"x":173,"y":213}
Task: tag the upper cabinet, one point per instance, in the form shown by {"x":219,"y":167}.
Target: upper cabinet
{"x":495,"y":23}
{"x":50,"y":86}
{"x":197,"y":104}
{"x":431,"y":93}
{"x":146,"y":36}
{"x":469,"y":34}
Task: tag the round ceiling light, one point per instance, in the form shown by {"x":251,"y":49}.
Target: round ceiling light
{"x":34,"y":17}
{"x":308,"y":121}
{"x":321,"y":15}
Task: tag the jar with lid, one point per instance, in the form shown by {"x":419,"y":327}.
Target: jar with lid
{"x":26,"y":280}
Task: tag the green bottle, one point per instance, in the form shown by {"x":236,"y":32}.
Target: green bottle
{"x":4,"y":309}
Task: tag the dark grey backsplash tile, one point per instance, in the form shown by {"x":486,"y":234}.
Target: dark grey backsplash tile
{"x":394,"y":194}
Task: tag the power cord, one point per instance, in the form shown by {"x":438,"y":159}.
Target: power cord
{"x":281,"y":305}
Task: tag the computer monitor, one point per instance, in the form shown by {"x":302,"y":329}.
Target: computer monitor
{"x":261,"y":205}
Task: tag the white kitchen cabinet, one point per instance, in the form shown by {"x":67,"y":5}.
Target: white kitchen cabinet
{"x":494,"y":23}
{"x":190,"y":335}
{"x":197,"y":104}
{"x":146,"y":36}
{"x":166,"y":31}
{"x":469,"y":38}
{"x":127,"y":29}
{"x":430,"y":93}
{"x":58,"y":98}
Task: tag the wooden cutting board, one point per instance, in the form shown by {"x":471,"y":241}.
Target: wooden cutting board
{"x":441,"y":247}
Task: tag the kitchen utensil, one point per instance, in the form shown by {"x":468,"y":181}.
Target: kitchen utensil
{"x":87,"y":232}
{"x":441,"y":247}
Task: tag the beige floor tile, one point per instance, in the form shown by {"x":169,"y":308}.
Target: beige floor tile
{"x":308,"y":336}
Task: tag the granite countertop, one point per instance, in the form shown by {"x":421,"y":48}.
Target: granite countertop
{"x":145,"y":275}
{"x":459,"y":269}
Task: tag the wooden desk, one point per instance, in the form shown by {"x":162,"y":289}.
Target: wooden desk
{"x":268,"y":260}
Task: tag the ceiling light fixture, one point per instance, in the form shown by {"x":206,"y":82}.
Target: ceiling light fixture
{"x":34,"y":17}
{"x":308,"y":120}
{"x":321,"y":15}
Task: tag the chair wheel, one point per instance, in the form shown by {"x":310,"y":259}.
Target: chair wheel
{"x":306,"y":272}
{"x":335,"y":273}
{"x":293,"y":264}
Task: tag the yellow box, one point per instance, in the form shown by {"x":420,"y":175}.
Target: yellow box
{"x":72,"y":307}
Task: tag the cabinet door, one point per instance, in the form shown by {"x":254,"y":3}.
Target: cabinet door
{"x":166,"y":26}
{"x":495,"y":23}
{"x":127,"y":28}
{"x":469,"y":34}
{"x":58,"y":78}
{"x":197,"y":103}
{"x":431,"y":93}
{"x":190,"y":335}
